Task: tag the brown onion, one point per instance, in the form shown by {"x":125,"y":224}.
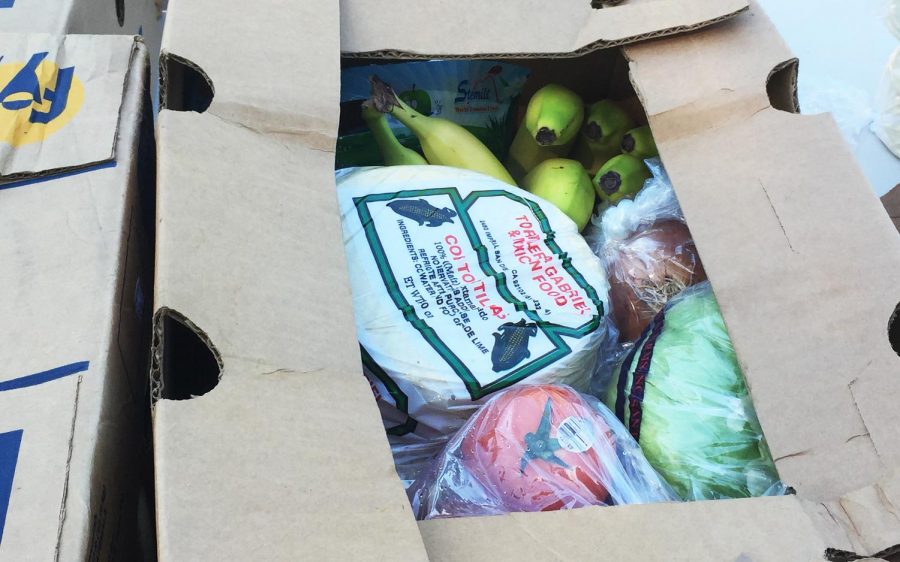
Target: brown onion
{"x":646,"y":270}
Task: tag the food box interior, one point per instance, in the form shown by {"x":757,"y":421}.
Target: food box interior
{"x":778,"y":180}
{"x":597,"y":75}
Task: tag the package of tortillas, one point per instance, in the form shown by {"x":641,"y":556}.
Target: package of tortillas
{"x":463,"y":286}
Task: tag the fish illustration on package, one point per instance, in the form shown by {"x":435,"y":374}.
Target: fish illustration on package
{"x":422,"y":212}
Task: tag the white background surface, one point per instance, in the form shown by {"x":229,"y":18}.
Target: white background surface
{"x":843,"y":48}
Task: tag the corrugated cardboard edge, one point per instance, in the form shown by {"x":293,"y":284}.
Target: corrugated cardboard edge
{"x":891,"y":202}
{"x":138,"y":50}
{"x":165,"y":59}
{"x":65,"y":491}
{"x":157,"y":349}
{"x":11,"y":178}
{"x":590,"y":47}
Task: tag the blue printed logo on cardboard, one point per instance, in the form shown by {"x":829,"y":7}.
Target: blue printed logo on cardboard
{"x":9,"y":455}
{"x":37,"y":99}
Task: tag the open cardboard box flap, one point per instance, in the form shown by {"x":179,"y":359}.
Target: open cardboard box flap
{"x":490,"y":29}
{"x":803,"y":261}
{"x":891,"y":202}
{"x":250,"y":261}
{"x":89,"y":75}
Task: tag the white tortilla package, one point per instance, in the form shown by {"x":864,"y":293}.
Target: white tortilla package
{"x":463,"y":286}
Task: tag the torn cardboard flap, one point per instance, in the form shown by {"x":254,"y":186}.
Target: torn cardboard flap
{"x":439,"y":28}
{"x":79,"y":17}
{"x":60,"y":98}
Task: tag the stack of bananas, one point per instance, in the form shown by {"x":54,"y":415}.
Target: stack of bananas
{"x":559,"y":146}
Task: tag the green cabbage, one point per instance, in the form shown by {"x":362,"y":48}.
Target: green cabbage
{"x":696,"y":423}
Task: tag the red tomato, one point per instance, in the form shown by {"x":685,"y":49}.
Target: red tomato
{"x":539,"y":448}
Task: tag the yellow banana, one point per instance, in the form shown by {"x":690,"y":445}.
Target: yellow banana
{"x":393,"y":153}
{"x":601,"y":137}
{"x":639,"y":143}
{"x":551,"y":124}
{"x":621,"y":177}
{"x":566,"y":184}
{"x":444,"y":143}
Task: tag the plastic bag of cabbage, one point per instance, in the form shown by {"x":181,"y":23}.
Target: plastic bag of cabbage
{"x":683,"y":397}
{"x":462,"y":286}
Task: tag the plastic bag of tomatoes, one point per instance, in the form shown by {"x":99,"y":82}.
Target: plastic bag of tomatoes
{"x":537,"y":448}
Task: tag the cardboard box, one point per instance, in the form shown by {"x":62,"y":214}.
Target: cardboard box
{"x":891,"y":201}
{"x":283,"y":456}
{"x":82,"y":16}
{"x":113,"y":17}
{"x":76,"y":158}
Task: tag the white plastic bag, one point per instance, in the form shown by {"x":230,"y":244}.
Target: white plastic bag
{"x":463,"y":286}
{"x":887,"y":121}
{"x":537,"y":448}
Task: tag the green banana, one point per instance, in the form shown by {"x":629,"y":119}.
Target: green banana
{"x":620,"y":178}
{"x":566,"y":184}
{"x":551,"y":124}
{"x":639,"y":143}
{"x":601,"y":137}
{"x":444,"y":143}
{"x":393,"y":153}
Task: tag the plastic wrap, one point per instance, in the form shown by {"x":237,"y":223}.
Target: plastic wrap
{"x":655,"y":201}
{"x":892,"y":17}
{"x":648,"y":253}
{"x":463,"y":286}
{"x":887,"y":104}
{"x":849,"y":105}
{"x":537,"y":448}
{"x":683,"y":397}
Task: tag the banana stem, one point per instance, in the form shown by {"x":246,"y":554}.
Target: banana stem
{"x":627,"y":143}
{"x":381,"y":131}
{"x":385,"y":100}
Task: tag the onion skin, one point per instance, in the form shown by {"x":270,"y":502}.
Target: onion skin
{"x":646,"y":270}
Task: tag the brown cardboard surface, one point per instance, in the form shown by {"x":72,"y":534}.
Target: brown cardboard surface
{"x":278,"y":336}
{"x":758,"y":530}
{"x":74,"y":254}
{"x":123,"y":17}
{"x":891,"y":202}
{"x":250,"y":253}
{"x":264,"y":278}
{"x":115,"y":17}
{"x":803,"y":261}
{"x":91,"y":107}
{"x":441,"y":28}
{"x":285,"y":85}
